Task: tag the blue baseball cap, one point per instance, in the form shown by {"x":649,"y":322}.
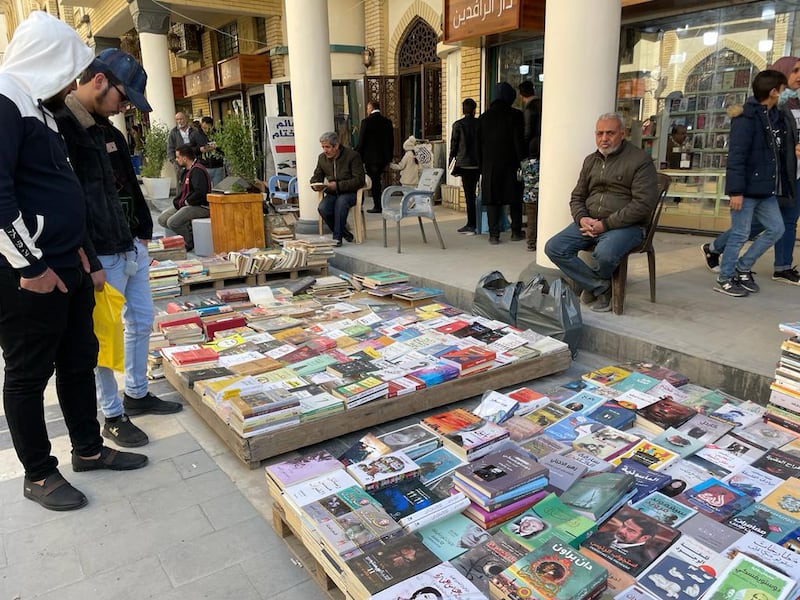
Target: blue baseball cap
{"x":127,"y":70}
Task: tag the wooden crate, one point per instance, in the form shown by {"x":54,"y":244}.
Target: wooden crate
{"x":215,"y":282}
{"x":273,"y":443}
{"x":237,"y":221}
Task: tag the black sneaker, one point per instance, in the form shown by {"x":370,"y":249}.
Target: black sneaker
{"x":731,"y":287}
{"x":603,"y":302}
{"x":517,"y":236}
{"x":467,"y":230}
{"x":493,"y":240}
{"x":150,"y":405}
{"x":712,"y":258}
{"x":123,"y":433}
{"x":747,"y":282}
{"x":790,"y":276}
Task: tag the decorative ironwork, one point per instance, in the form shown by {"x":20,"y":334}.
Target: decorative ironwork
{"x":418,"y":46}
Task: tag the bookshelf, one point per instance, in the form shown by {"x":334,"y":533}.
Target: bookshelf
{"x":696,"y":201}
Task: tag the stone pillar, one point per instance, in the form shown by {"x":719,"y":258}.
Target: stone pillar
{"x":587,"y":70}
{"x":312,"y":97}
{"x":152,"y":23}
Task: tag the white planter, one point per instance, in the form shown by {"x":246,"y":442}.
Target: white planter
{"x":156,"y":187}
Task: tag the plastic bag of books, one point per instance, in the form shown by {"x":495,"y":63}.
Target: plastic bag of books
{"x":108,"y":328}
{"x":550,"y":309}
{"x":496,"y":298}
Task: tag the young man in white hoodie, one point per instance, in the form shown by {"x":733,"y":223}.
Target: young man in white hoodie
{"x":46,"y":294}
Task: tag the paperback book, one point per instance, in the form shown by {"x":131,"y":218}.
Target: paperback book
{"x":779,"y":463}
{"x":437,"y":464}
{"x":764,"y":521}
{"x":488,"y":559}
{"x":708,"y":532}
{"x":379,"y":472}
{"x":630,"y":540}
{"x":501,"y":471}
{"x":452,"y":536}
{"x":664,"y":509}
{"x":594,"y":496}
{"x":441,"y":581}
{"x":554,"y":570}
{"x":649,"y":454}
{"x":715,"y":499}
{"x":678,"y":442}
{"x":302,"y":468}
{"x":759,"y":581}
{"x":754,"y":482}
{"x":702,"y":427}
{"x":606,"y":443}
{"x":674,"y":578}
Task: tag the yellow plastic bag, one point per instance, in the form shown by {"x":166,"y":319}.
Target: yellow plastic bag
{"x":109,"y":329}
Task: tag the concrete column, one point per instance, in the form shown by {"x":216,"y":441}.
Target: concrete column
{"x":152,"y":23}
{"x":588,"y":71}
{"x":312,"y":97}
{"x":346,"y":27}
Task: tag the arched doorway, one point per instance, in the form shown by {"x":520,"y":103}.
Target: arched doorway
{"x":420,"y":78}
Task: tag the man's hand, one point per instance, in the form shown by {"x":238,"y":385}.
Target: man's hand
{"x":98,"y":279}
{"x":44,"y":283}
{"x":736,"y":202}
{"x":84,"y":259}
{"x":331,"y":185}
{"x":591,"y":227}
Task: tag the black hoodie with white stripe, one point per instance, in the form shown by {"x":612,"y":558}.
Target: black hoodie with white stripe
{"x":42,"y":206}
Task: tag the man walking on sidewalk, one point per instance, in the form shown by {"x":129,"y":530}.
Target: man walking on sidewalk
{"x":376,"y":146}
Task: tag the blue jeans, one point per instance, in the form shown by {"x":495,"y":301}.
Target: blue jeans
{"x":767,"y":213}
{"x":216,"y":174}
{"x":609,"y":248}
{"x":334,"y":210}
{"x":784,"y":247}
{"x":137,"y":314}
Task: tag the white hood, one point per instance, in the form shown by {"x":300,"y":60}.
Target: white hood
{"x":45,"y":56}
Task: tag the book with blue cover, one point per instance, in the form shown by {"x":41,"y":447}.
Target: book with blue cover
{"x":664,"y":509}
{"x":647,"y":480}
{"x":437,"y":464}
{"x":452,"y":536}
{"x":613,"y":415}
{"x":636,"y":381}
{"x":582,"y":402}
{"x":715,"y":499}
{"x":572,"y":427}
{"x":765,"y":521}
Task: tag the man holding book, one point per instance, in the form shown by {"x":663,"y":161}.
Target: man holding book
{"x":119,"y":226}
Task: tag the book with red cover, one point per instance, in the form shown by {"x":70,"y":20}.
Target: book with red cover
{"x":469,"y":358}
{"x":190,"y":357}
{"x":451,"y":421}
{"x":185,"y":321}
{"x":212,"y":327}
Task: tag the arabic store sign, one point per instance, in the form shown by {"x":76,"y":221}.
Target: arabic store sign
{"x":464,"y":19}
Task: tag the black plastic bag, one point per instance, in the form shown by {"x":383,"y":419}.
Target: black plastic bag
{"x":552,"y":310}
{"x":496,"y":298}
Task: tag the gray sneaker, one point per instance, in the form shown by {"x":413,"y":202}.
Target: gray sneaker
{"x":747,"y":281}
{"x":731,"y":287}
{"x":587,"y":297}
{"x":603,"y":302}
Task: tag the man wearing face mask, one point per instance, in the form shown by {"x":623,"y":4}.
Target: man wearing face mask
{"x":119,"y":226}
{"x":46,"y":295}
{"x":616,"y":193}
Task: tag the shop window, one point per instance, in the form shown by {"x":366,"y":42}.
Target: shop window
{"x":228,"y":40}
{"x":261,"y":31}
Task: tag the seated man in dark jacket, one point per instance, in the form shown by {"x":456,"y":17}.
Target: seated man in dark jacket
{"x":190,"y":202}
{"x":612,"y":203}
{"x":339,"y":174}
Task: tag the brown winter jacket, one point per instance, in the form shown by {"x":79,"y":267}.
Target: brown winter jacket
{"x":620,"y":189}
{"x":346,"y":169}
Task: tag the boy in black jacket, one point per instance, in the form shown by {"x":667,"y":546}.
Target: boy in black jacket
{"x":191,"y":202}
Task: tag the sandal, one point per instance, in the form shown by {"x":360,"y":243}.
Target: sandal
{"x":55,"y":494}
{"x":114,"y":460}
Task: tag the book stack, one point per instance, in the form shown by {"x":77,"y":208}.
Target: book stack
{"x":466,"y":434}
{"x":381,"y":278}
{"x":172,"y":247}
{"x":164,"y":279}
{"x":184,"y":333}
{"x":501,"y":485}
{"x":219,"y":266}
{"x":253,"y":413}
{"x":381,"y":471}
{"x":784,"y":399}
{"x":318,"y":250}
{"x":413,"y":504}
{"x":189,"y":268}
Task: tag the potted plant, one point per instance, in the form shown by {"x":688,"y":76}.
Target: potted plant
{"x":155,"y":155}
{"x":236,"y":139}
{"x":237,"y":219}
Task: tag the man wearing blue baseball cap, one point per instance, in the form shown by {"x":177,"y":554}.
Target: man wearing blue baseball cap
{"x":119,"y":226}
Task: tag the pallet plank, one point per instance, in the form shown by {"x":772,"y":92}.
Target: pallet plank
{"x":273,"y":443}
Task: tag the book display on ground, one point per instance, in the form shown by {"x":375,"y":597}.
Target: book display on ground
{"x":676,"y":533}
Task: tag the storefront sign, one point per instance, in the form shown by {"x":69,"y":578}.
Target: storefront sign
{"x":280,"y":131}
{"x":464,"y":19}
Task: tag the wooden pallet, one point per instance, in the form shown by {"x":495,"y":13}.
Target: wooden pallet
{"x":272,"y":443}
{"x":215,"y":282}
{"x":308,"y":556}
{"x":263,"y":278}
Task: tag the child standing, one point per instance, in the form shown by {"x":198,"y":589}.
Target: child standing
{"x":756,"y":175}
{"x":408,"y":165}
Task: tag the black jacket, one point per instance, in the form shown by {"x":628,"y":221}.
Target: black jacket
{"x":376,"y":140}
{"x":194,"y":186}
{"x":346,"y":169}
{"x":501,"y":150}
{"x":101,"y":160}
{"x":533,"y":127}
{"x":464,"y":144}
{"x":196,"y":139}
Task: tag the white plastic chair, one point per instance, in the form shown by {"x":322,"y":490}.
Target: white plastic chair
{"x":415,"y":202}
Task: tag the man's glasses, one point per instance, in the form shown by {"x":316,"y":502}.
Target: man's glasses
{"x":124,"y":102}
